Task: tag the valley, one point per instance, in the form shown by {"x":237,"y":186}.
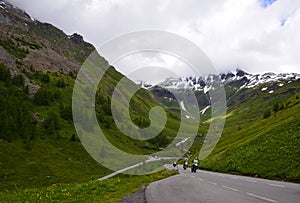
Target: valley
{"x":42,"y":158}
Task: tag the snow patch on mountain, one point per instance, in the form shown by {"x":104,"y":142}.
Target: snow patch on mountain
{"x":206,"y":89}
{"x":3,"y":5}
{"x":182,"y":106}
{"x":264,"y":89}
{"x":204,"y":110}
{"x":255,"y":80}
{"x":280,"y":85}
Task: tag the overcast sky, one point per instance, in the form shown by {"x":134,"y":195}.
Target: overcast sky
{"x":255,"y":35}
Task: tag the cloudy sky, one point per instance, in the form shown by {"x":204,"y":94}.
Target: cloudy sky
{"x":255,"y":35}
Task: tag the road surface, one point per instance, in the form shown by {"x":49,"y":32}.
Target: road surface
{"x":210,"y":187}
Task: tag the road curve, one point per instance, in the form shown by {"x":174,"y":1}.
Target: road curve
{"x":210,"y":187}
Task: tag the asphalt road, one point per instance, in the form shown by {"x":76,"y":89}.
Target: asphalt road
{"x":209,"y":187}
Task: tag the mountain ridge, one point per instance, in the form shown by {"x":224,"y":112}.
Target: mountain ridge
{"x":238,"y":87}
{"x":246,"y":80}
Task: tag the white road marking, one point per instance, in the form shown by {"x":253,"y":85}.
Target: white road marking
{"x":200,"y":179}
{"x":260,"y":197}
{"x":233,"y":177}
{"x":212,"y":183}
{"x":251,"y":181}
{"x":230,"y":188}
{"x":282,"y":186}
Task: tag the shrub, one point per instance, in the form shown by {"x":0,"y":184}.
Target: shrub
{"x":276,"y":107}
{"x":51,"y":124}
{"x":45,"y":78}
{"x":18,"y":80}
{"x":15,"y":113}
{"x":66,"y":113}
{"x":4,"y":73}
{"x":42,"y":97}
{"x":73,"y":138}
{"x":14,"y":49}
{"x":45,"y":96}
{"x":267,"y":114}
{"x":61,"y":83}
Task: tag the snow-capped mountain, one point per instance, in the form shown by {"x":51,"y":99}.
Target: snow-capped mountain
{"x":238,"y":80}
{"x":239,"y":87}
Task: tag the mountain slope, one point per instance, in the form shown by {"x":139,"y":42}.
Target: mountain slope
{"x":39,"y":145}
{"x":266,"y":147}
{"x":262,"y":131}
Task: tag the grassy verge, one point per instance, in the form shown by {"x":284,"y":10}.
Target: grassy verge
{"x":110,"y":190}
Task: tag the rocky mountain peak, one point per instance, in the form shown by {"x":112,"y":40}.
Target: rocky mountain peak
{"x":11,"y":15}
{"x":241,"y":73}
{"x":77,"y":38}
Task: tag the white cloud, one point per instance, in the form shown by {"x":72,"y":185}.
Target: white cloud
{"x":233,"y":33}
{"x":153,"y":67}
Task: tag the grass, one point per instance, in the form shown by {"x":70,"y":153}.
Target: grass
{"x":267,"y":148}
{"x":45,"y":163}
{"x":110,"y":190}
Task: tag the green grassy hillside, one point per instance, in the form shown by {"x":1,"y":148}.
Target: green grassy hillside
{"x":259,"y":144}
{"x":39,"y":144}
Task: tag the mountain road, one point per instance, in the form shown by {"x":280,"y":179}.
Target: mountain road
{"x":211,"y":187}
